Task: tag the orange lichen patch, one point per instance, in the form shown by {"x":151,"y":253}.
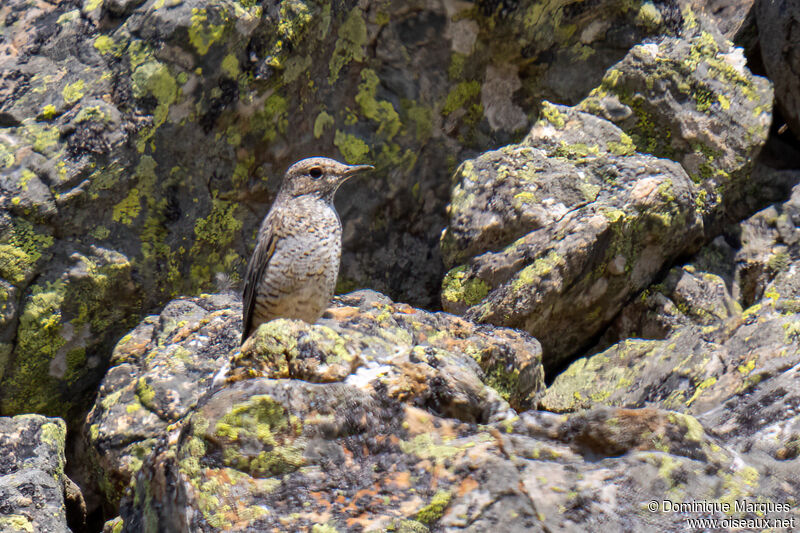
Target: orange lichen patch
{"x":398,"y":480}
{"x":467,"y":485}
{"x":357,"y":501}
{"x":440,"y":472}
{"x":184,"y":332}
{"x":419,"y":421}
{"x":411,"y":506}
{"x":321,"y":498}
{"x":405,"y":309}
{"x":314,"y":517}
{"x":410,"y":382}
{"x":341,"y":313}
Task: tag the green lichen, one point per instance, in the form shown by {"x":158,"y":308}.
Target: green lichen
{"x":460,"y":96}
{"x":350,"y":44}
{"x":458,"y":288}
{"x":230,"y":65}
{"x":432,"y":512}
{"x":422,"y":119}
{"x":107,"y":46}
{"x":16,"y":523}
{"x":624,"y":146}
{"x":700,"y":388}
{"x":22,"y":251}
{"x":352,"y":148}
{"x":379,"y":111}
{"x":531,"y":274}
{"x":273,"y":117}
{"x":49,"y":112}
{"x":128,"y":208}
{"x":54,"y":433}
{"x":552,"y":115}
{"x":423,"y":447}
{"x":323,"y":528}
{"x":649,"y":17}
{"x":323,"y":121}
{"x":263,"y":422}
{"x":38,"y":340}
{"x":203,"y":34}
{"x":153,"y":78}
{"x":73,"y":92}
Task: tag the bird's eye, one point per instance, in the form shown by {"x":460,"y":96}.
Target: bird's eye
{"x":315,"y":173}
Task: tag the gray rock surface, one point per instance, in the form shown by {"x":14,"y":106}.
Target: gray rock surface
{"x":32,"y":479}
{"x":563,"y":230}
{"x":156,"y":130}
{"x":429,"y":360}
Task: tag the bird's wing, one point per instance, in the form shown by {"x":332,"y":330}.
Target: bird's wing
{"x":255,"y":272}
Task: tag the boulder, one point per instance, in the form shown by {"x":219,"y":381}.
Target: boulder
{"x":168,"y":363}
{"x":33,"y":487}
{"x":556,"y":234}
{"x":562,"y":230}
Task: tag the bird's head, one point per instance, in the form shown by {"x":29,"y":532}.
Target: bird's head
{"x":317,"y":176}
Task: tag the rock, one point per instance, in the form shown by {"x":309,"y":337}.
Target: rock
{"x":692,"y":100}
{"x":283,"y":454}
{"x":373,"y":346}
{"x":686,"y":296}
{"x":559,"y":257}
{"x":738,"y":378}
{"x":32,"y":479}
{"x":697,"y":366}
{"x":730,"y":17}
{"x":779,"y":51}
{"x":159,"y":371}
{"x":158,"y":130}
{"x":563,"y":230}
{"x":769,"y":246}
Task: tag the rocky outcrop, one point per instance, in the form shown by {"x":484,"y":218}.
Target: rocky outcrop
{"x":733,"y":368}
{"x":33,"y":486}
{"x":368,"y":344}
{"x":559,"y":257}
{"x":142,"y":140}
{"x":383,"y":417}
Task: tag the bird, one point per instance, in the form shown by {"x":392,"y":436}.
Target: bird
{"x":292,"y":272}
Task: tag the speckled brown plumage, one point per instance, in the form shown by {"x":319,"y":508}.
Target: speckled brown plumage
{"x":292,"y":273}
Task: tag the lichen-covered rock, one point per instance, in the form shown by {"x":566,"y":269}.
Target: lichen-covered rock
{"x":32,"y":479}
{"x":393,"y":351}
{"x":278,"y":455}
{"x":738,"y":377}
{"x":696,"y":367}
{"x":158,"y":372}
{"x":693,"y":100}
{"x":686,"y":296}
{"x":557,"y":233}
{"x":777,"y":38}
{"x":770,"y":242}
{"x":157,"y":130}
{"x":563,"y":230}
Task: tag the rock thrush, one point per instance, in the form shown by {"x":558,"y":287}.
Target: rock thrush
{"x":292,"y":273}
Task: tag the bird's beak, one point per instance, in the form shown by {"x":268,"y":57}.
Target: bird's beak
{"x":357,"y":168}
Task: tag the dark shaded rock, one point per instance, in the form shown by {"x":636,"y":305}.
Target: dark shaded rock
{"x":777,"y":23}
{"x":33,"y":485}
